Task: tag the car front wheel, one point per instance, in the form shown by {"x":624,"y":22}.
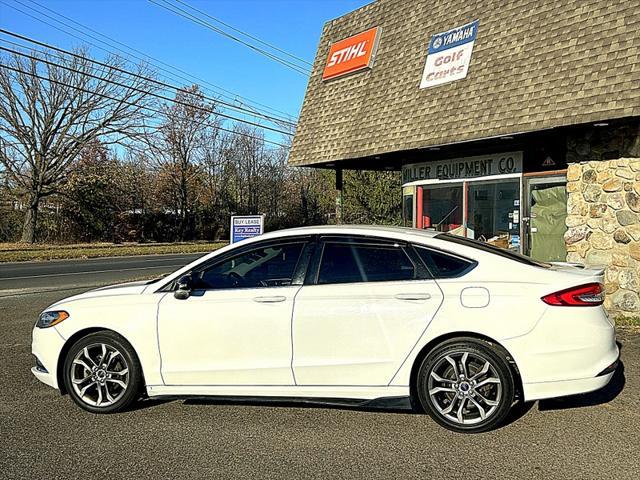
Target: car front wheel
{"x":466,"y":385}
{"x":102,"y":373}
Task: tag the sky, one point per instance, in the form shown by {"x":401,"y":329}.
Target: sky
{"x":292,"y":25}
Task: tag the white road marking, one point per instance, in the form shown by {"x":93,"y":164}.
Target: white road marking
{"x":95,"y":271}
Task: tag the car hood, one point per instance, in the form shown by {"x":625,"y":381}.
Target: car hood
{"x":129,"y":288}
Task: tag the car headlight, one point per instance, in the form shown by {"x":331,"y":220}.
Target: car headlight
{"x":49,"y":319}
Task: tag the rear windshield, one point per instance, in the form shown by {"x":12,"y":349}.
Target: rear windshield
{"x":485,"y":247}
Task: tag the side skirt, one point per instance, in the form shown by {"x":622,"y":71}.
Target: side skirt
{"x":342,"y":395}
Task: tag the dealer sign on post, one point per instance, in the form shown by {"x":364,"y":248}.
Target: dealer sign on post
{"x":246,"y":226}
{"x":449,"y":55}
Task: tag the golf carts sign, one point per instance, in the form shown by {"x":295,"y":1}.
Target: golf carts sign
{"x":246,"y":226}
{"x":449,"y":55}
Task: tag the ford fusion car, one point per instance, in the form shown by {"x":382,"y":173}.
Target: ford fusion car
{"x":461,"y":328}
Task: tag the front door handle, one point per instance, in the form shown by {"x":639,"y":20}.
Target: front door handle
{"x":274,"y":299}
{"x":413,"y":296}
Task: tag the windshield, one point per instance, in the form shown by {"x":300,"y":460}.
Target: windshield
{"x":485,"y":247}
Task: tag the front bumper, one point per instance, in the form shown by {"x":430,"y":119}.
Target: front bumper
{"x":46,"y":347}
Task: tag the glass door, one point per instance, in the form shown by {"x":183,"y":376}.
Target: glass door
{"x":493,"y":212}
{"x":545,"y":215}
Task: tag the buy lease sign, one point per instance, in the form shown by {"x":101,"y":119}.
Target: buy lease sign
{"x":449,"y":55}
{"x":351,"y":54}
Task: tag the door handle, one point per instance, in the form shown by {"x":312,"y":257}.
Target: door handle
{"x":413,"y":296}
{"x":274,"y":299}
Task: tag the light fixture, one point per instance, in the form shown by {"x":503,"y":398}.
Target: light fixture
{"x":601,"y":124}
{"x":434,"y":149}
{"x":506,"y":137}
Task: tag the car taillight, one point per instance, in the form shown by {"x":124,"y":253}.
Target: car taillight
{"x":588,"y":295}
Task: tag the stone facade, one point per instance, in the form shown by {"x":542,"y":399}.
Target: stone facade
{"x":603,"y":221}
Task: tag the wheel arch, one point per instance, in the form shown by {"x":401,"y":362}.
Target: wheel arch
{"x":424,"y":351}
{"x":72,"y":340}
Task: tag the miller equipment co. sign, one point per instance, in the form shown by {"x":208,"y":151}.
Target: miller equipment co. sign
{"x":352,"y":54}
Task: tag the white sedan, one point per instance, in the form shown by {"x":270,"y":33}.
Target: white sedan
{"x":461,"y":328}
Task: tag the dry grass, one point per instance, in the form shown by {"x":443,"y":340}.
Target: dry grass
{"x":19,"y":252}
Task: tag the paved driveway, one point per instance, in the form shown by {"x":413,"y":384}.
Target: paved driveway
{"x":43,"y":435}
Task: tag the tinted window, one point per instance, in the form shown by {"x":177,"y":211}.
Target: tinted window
{"x":442,"y":265}
{"x":349,"y":263}
{"x":271,"y":266}
{"x":485,"y":247}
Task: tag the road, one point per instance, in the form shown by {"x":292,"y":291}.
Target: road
{"x":26,"y":276}
{"x":44,"y":435}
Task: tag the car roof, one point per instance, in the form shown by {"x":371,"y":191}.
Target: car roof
{"x":379,"y":230}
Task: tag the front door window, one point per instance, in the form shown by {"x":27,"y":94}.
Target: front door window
{"x":548,"y":213}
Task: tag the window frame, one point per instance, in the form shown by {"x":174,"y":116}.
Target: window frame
{"x":299,"y":271}
{"x":313,"y":271}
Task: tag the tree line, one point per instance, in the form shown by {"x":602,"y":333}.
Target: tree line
{"x":91,"y":154}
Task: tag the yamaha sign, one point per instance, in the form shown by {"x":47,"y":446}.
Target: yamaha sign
{"x":449,"y":55}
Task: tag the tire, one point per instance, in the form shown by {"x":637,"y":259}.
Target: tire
{"x":102,"y":373}
{"x":482,"y":394}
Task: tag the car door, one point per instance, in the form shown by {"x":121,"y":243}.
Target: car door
{"x":235,"y":327}
{"x":363,"y":307}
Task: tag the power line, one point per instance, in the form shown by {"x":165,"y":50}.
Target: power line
{"x":132,"y":74}
{"x":248,"y":35}
{"x":185,"y":14}
{"x":142,"y":107}
{"x":145,"y":58}
{"x":146,"y":92}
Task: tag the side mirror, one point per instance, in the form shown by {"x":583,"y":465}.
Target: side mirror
{"x":184,"y":288}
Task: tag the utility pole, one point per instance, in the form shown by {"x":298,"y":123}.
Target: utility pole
{"x":339,"y":203}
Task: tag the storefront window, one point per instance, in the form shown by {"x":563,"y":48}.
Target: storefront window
{"x":494,"y":212}
{"x":442,"y":208}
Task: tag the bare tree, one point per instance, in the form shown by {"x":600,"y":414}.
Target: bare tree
{"x":51,"y":107}
{"x":178,"y":148}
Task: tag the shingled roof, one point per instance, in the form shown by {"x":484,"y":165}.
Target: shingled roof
{"x":536,"y":64}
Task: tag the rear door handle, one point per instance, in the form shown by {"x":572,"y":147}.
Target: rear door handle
{"x":413,"y":296}
{"x":274,"y":299}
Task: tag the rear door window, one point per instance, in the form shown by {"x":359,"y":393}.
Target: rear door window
{"x":442,"y":265}
{"x":354,"y":263}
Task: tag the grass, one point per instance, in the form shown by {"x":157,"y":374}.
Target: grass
{"x":19,"y":252}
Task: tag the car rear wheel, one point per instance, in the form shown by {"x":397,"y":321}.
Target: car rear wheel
{"x":466,"y":385}
{"x":102,"y":373}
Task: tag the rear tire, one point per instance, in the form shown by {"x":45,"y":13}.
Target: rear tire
{"x":466,"y":385}
{"x":102,"y":373}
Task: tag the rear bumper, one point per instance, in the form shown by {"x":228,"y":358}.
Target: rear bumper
{"x":540,"y":391}
{"x":570,"y":351}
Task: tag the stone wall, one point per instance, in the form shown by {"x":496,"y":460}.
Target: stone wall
{"x":604,"y":226}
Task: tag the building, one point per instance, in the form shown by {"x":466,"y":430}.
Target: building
{"x":513,"y":122}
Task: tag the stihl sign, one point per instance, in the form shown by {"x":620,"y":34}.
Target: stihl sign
{"x":351,"y":54}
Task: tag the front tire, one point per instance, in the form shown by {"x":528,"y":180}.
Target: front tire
{"x":466,"y":385}
{"x":102,"y":373}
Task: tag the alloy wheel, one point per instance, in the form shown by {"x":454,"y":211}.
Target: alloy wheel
{"x":99,"y":374}
{"x":465,"y":387}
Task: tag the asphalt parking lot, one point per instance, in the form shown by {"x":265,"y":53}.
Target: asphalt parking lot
{"x":43,"y":435}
